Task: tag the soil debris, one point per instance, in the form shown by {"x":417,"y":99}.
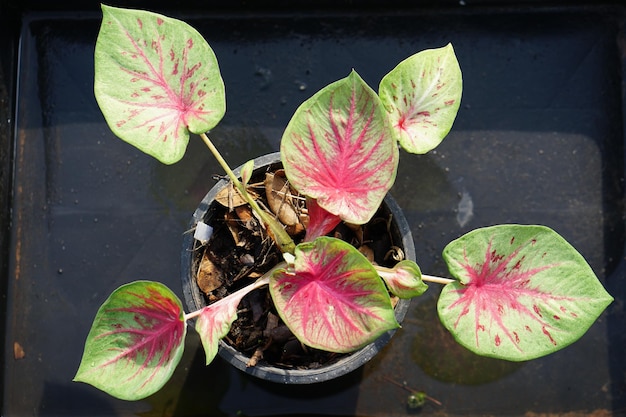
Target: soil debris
{"x":18,"y":351}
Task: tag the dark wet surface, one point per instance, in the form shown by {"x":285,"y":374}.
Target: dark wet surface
{"x":539,"y":139}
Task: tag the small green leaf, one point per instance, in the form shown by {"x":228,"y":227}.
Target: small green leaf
{"x":404,"y":279}
{"x":135,"y":342}
{"x":156,"y":80}
{"x":523,"y":292}
{"x":246,"y":172}
{"x":422,"y":96}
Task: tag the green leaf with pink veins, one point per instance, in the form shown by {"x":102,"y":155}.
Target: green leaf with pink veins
{"x":523,"y":292}
{"x":339,"y":149}
{"x":156,"y":80}
{"x":422,"y":96}
{"x":332,"y":298}
{"x":135,"y":342}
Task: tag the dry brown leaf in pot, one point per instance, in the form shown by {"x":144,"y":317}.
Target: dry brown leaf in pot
{"x":296,"y":229}
{"x":209,"y":276}
{"x":230,"y":197}
{"x":279,"y":198}
{"x":367,"y":252}
{"x":246,"y":216}
{"x":357,"y":229}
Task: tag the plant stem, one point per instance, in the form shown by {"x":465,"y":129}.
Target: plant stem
{"x":264,"y":280}
{"x":411,"y":390}
{"x":384,"y":272}
{"x":221,"y":161}
{"x":437,"y":280}
{"x":278,"y":233}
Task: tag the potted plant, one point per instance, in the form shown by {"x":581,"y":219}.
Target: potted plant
{"x":518,"y":292}
{"x":386,"y":239}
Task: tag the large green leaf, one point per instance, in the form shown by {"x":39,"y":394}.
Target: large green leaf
{"x":135,"y":342}
{"x":523,"y":292}
{"x":156,"y":80}
{"x":422,"y":95}
{"x":339,"y":148}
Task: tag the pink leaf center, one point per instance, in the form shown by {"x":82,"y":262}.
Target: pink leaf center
{"x":156,"y":330}
{"x":500,"y":285}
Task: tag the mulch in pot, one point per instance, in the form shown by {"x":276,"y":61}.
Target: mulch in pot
{"x":240,"y":251}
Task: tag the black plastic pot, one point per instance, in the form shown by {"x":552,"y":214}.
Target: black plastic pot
{"x":194,"y":299}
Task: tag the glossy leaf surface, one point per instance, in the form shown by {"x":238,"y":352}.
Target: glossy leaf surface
{"x":422,"y":95}
{"x":523,"y":292}
{"x":332,"y":298}
{"x":339,"y":149}
{"x":135,"y":342}
{"x":156,"y":80}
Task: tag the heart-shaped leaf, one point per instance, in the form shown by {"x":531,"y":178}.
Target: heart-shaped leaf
{"x":215,"y":320}
{"x":156,"y":80}
{"x":135,"y":342}
{"x":523,"y":292}
{"x":422,"y":95}
{"x":332,"y":297}
{"x":339,"y":148}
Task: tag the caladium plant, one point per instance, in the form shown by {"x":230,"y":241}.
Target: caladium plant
{"x":517,"y":292}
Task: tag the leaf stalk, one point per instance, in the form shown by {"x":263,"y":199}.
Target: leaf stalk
{"x":278,"y":234}
{"x":437,"y":280}
{"x":264,"y":280}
